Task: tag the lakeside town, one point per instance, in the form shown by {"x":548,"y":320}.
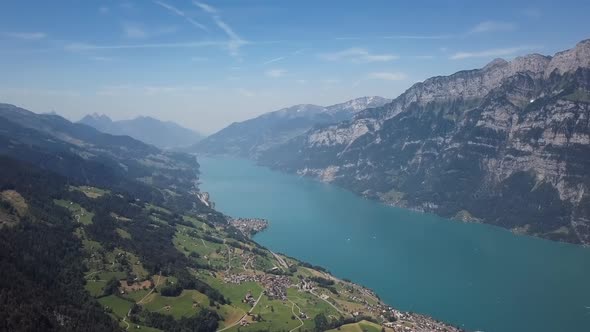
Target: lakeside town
{"x":249,"y":226}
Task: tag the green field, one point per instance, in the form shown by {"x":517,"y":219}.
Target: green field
{"x":236,"y":292}
{"x":186,"y":304}
{"x":91,"y":192}
{"x":95,"y":287}
{"x":77,"y":210}
{"x":119,"y":306}
{"x":362,"y":326}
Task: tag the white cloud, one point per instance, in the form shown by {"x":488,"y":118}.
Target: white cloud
{"x":205,"y":7}
{"x":245,"y":92}
{"x":101,"y":58}
{"x":103,"y":10}
{"x":331,"y":81}
{"x":301,"y":81}
{"x":423,"y":57}
{"x":418,"y":37}
{"x":26,"y":35}
{"x":274,"y":73}
{"x":491,"y":52}
{"x":273,"y":60}
{"x":357,"y":55}
{"x":491,"y":26}
{"x":532,"y":12}
{"x":235,"y":41}
{"x":134,"y":31}
{"x":150,"y":90}
{"x":388,"y":76}
{"x":182,"y":14}
{"x":91,"y":47}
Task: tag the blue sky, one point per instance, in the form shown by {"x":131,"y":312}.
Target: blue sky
{"x":206,"y":64}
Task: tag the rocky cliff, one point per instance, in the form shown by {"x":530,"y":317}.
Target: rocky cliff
{"x":507,"y":144}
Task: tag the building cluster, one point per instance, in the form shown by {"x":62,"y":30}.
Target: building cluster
{"x":249,"y":226}
{"x":275,"y":286}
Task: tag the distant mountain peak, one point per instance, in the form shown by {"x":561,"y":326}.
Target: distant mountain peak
{"x":163,"y":134}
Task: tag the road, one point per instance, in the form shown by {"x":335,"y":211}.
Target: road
{"x":296,"y":315}
{"x":148,"y":294}
{"x":328,"y":302}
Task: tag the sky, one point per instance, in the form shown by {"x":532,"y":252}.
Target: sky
{"x":206,"y":64}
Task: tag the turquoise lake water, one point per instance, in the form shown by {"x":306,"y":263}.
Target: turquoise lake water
{"x":472,"y":275}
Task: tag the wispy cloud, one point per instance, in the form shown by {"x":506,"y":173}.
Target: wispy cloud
{"x":273,"y":60}
{"x":235,"y":41}
{"x":91,"y":47}
{"x":245,"y":92}
{"x":281,"y":58}
{"x":532,"y":12}
{"x":101,"y":58}
{"x":149,"y":89}
{"x":103,"y":10}
{"x":491,"y":52}
{"x":388,"y":76}
{"x":205,"y":7}
{"x":423,"y":57}
{"x":275,"y":73}
{"x":357,"y":55}
{"x":419,"y":37}
{"x":492,"y":26}
{"x":199,"y":59}
{"x":134,"y":31}
{"x":182,"y":14}
{"x":25,"y":35}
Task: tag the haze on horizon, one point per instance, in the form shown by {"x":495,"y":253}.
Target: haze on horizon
{"x":207,"y":64}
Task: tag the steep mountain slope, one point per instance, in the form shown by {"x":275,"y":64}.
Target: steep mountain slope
{"x":249,"y":138}
{"x":508,"y":144}
{"x":163,"y":134}
{"x":106,"y":233}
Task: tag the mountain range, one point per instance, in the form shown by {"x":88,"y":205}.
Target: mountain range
{"x":252,"y":137}
{"x":107,"y":233}
{"x":163,"y":134}
{"x":507,"y":144}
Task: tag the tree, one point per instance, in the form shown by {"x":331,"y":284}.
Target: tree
{"x":111,"y":287}
{"x":321,"y":322}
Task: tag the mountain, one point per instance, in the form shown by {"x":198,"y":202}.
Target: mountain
{"x":249,"y":138}
{"x":163,"y":134}
{"x":507,"y":144}
{"x":107,"y":233}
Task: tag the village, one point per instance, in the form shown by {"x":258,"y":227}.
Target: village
{"x":249,"y":226}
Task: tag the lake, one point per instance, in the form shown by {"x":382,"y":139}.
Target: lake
{"x":475,"y":276}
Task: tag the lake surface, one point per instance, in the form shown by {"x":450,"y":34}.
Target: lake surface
{"x":472,"y":275}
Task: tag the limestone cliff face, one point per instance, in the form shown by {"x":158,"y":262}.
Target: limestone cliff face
{"x":508,"y":144}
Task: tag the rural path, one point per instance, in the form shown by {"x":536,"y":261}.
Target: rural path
{"x":152,"y":290}
{"x":244,"y":316}
{"x":296,"y":315}
{"x":328,"y":302}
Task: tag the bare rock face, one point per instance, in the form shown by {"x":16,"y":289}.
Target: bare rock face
{"x":507,"y":144}
{"x":570,"y":60}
